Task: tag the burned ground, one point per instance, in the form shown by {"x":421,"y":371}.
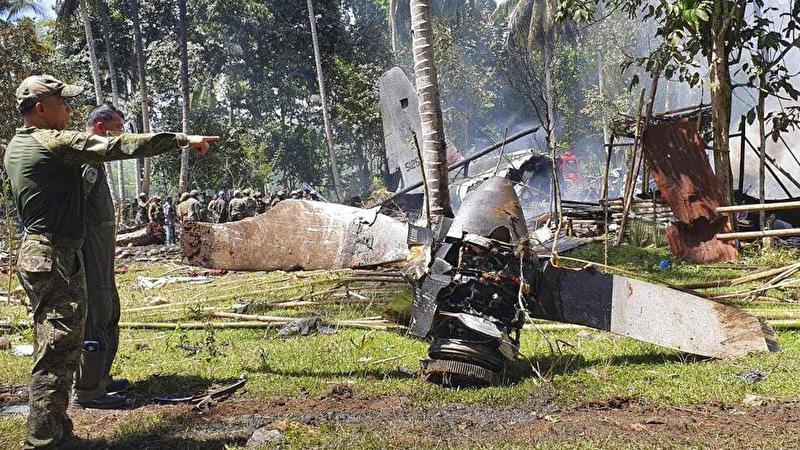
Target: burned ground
{"x":396,"y":421}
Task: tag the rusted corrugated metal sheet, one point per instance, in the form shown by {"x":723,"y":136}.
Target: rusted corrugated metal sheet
{"x":676,"y":156}
{"x":298,"y":235}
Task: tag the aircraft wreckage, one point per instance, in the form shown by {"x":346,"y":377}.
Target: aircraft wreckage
{"x":476,"y":282}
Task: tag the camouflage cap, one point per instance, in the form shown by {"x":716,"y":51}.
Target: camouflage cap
{"x":194,"y":193}
{"x":38,"y":87}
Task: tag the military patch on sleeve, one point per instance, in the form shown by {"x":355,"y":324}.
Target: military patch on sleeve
{"x":90,"y":175}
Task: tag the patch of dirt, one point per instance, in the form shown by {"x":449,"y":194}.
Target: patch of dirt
{"x":400,"y":422}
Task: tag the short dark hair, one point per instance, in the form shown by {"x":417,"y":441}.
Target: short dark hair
{"x":26,"y":108}
{"x":103,"y":113}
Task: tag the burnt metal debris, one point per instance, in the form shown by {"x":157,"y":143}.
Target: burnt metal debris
{"x":469,"y":303}
{"x":480,"y":281}
{"x":298,"y":235}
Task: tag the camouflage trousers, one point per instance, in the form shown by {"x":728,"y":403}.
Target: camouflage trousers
{"x":54,"y":279}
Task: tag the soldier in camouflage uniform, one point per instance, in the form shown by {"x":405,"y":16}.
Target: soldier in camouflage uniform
{"x":155,"y":213}
{"x":216,"y":208}
{"x":194,"y":209}
{"x":183,"y":207}
{"x":261,"y":205}
{"x":43,"y":165}
{"x":250,"y":201}
{"x":142,"y":204}
{"x":237,"y":210}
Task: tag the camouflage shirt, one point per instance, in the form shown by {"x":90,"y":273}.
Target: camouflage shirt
{"x":238,"y":209}
{"x":194,"y":210}
{"x":44,"y":168}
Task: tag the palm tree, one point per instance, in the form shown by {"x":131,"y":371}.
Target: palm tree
{"x":337,"y":184}
{"x":183,"y":179}
{"x":434,"y":153}
{"x":532,"y":26}
{"x":143,"y":175}
{"x":11,"y":9}
{"x":65,"y":11}
{"x":105,"y":30}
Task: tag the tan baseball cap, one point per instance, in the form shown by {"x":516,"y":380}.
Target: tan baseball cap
{"x":38,"y":87}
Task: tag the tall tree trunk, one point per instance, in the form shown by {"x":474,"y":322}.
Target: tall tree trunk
{"x":762,"y":136}
{"x":337,"y":184}
{"x":721,"y":92}
{"x":183,"y":180}
{"x":93,"y":61}
{"x":95,"y":67}
{"x":548,"y":53}
{"x":144,"y":184}
{"x":434,"y":153}
{"x":601,"y":86}
{"x":105,"y":29}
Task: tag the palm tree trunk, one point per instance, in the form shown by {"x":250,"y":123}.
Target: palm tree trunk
{"x":93,"y":61}
{"x":337,"y":183}
{"x":95,"y":67}
{"x":433,"y":148}
{"x":144,"y":183}
{"x":183,"y":179}
{"x":105,"y":29}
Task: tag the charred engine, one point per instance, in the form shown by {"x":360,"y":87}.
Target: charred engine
{"x":471,"y":302}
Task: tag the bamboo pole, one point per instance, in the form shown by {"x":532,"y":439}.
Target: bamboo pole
{"x":743,"y":279}
{"x":630,"y":181}
{"x":757,"y":207}
{"x":789,"y":232}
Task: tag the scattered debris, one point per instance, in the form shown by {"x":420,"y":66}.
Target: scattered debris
{"x":751,"y":376}
{"x":305,"y":326}
{"x":155,"y":283}
{"x":22,"y":350}
{"x":206,"y":399}
{"x":755,"y":400}
{"x":148,"y":253}
{"x":263,"y":436}
{"x":339,"y":391}
{"x":157,"y":300}
{"x":149,"y":235}
{"x":15,"y":409}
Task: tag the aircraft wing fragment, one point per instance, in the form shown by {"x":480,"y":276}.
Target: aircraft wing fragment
{"x":298,"y":235}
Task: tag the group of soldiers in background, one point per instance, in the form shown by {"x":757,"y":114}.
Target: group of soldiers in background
{"x":194,"y":207}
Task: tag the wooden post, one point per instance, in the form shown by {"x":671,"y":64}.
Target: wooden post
{"x":741,"y":155}
{"x":638,"y":149}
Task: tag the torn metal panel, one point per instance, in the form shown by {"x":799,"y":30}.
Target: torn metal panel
{"x":650,"y":313}
{"x":298,"y":235}
{"x":492,"y":211}
{"x":676,"y":155}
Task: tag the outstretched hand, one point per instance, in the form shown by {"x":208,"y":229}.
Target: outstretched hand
{"x":201,"y":143}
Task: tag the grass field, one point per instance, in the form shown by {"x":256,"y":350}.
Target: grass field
{"x":361,"y":388}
